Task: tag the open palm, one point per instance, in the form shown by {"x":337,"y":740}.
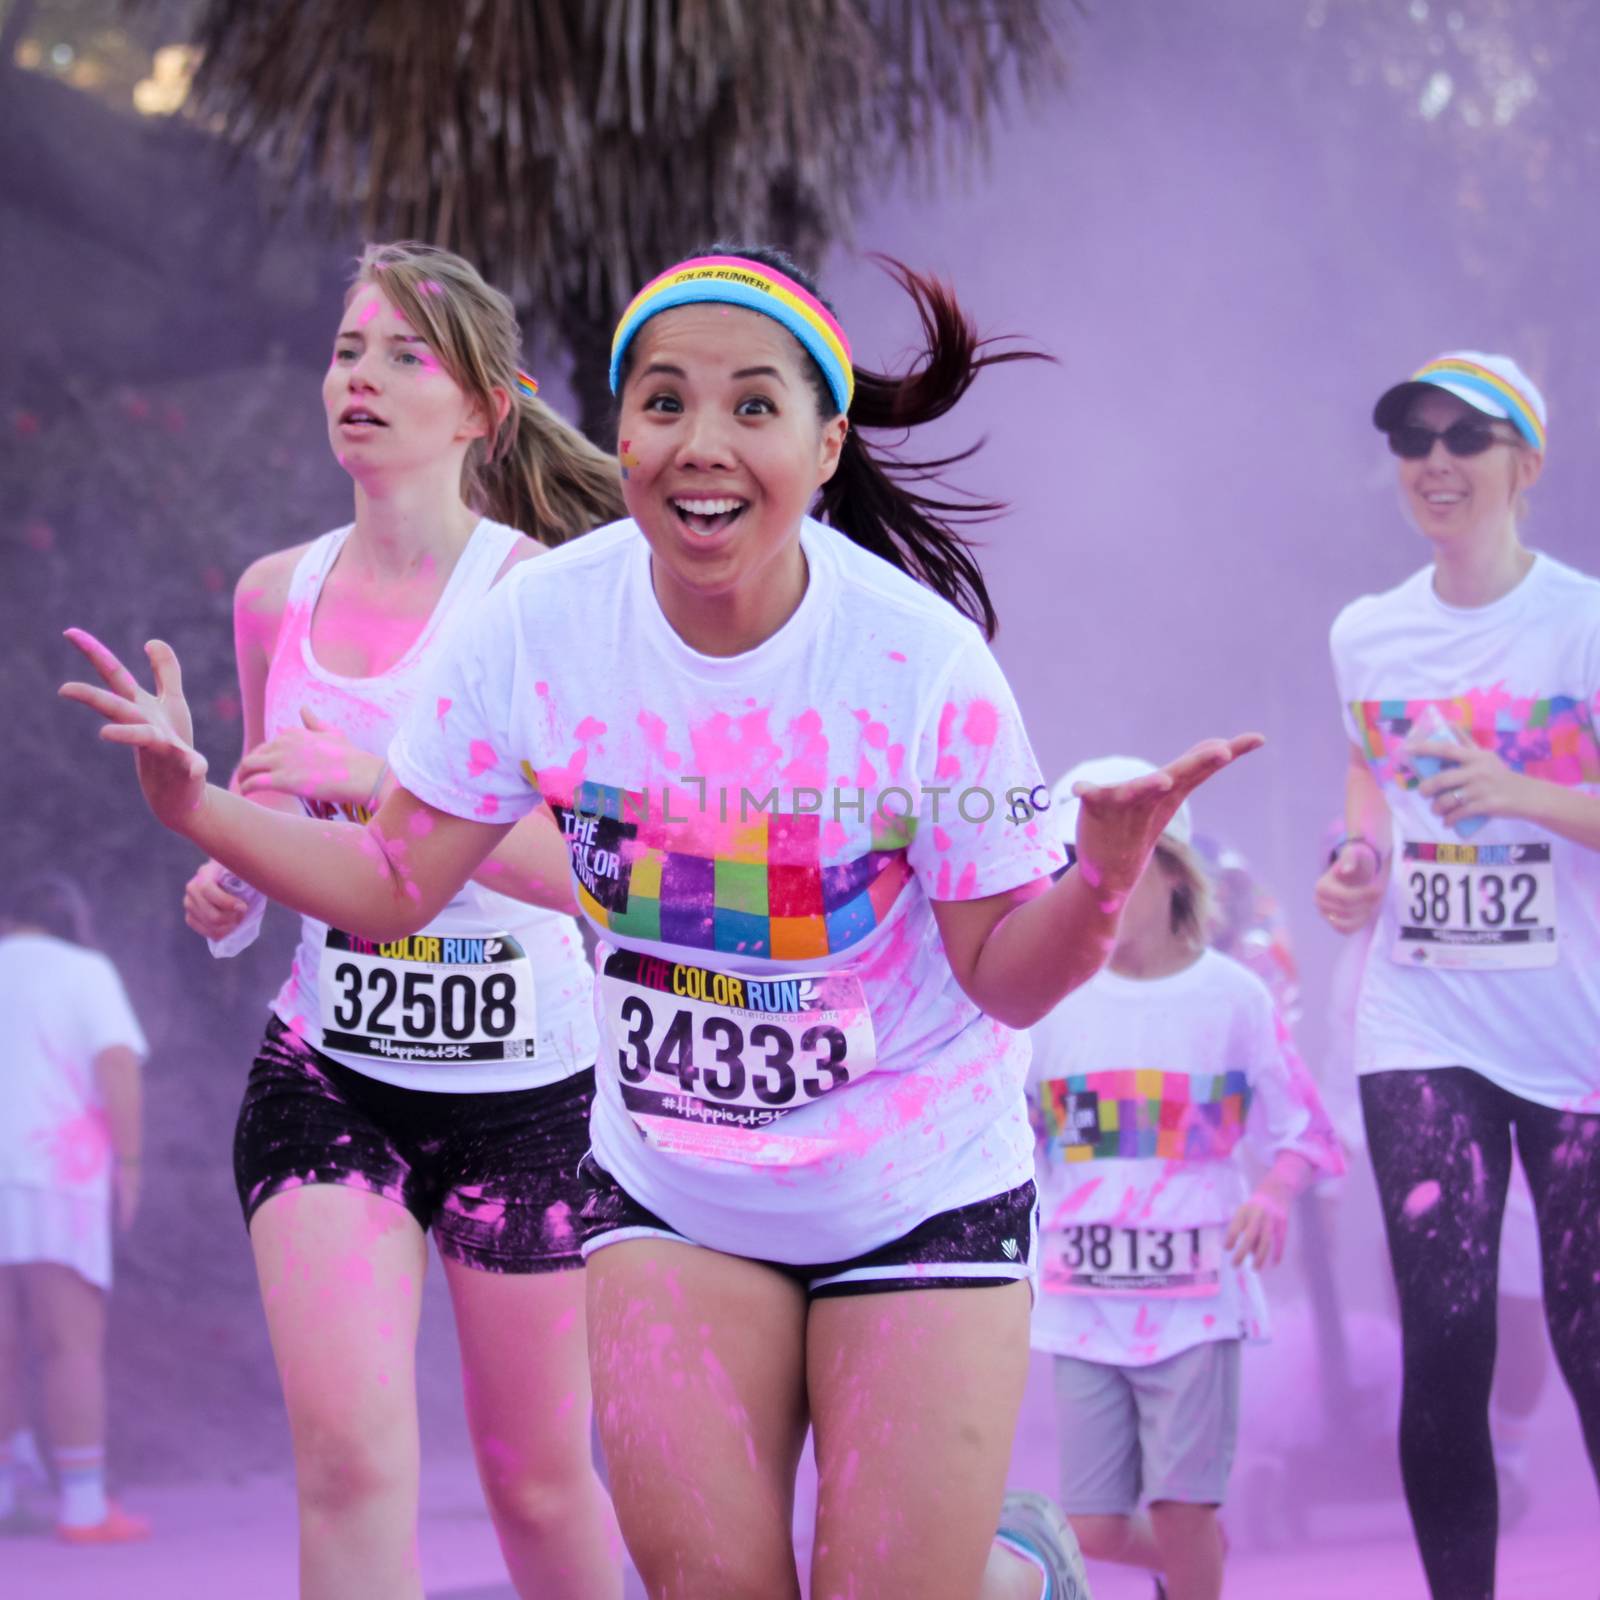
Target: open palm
{"x":172,"y":772}
{"x":1119,"y":823}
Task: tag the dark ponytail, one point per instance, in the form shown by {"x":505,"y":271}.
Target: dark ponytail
{"x":874,"y":496}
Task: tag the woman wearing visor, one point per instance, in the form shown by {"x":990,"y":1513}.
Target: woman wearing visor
{"x":1472,"y":837}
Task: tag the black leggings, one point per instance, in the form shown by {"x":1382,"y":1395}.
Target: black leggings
{"x":1441,"y":1148}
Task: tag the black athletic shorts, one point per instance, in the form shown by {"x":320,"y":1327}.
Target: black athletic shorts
{"x":495,"y":1175}
{"x":976,"y":1246}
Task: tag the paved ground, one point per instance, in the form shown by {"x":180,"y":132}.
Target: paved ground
{"x":237,"y":1540}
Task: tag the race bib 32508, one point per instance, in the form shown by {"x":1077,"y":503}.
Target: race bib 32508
{"x":428,"y":1000}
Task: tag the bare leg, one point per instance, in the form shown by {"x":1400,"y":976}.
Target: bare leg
{"x":911,"y":1465}
{"x":67,"y":1317}
{"x":1191,"y":1549}
{"x":341,"y":1280}
{"x":699,"y":1379}
{"x":525,"y":1365}
{"x":12,"y":1354}
{"x":1127,"y":1541}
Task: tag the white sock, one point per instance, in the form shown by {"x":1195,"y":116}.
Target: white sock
{"x":82,"y":1476}
{"x":1026,"y":1553}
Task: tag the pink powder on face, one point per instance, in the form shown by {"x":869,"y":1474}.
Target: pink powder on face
{"x":481,"y":758}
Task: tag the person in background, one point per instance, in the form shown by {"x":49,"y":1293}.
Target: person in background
{"x":71,"y":1143}
{"x":1143,"y":1083}
{"x":1472,"y":842}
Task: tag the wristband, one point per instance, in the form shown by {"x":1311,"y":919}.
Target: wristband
{"x":1356,"y":838}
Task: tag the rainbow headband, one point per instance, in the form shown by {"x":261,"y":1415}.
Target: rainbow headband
{"x":731,"y":280}
{"x":1469,"y":375}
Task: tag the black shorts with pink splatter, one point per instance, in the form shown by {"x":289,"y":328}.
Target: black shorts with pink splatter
{"x":495,"y":1176}
{"x":983,"y":1245}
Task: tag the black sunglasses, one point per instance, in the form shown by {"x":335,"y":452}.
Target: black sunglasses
{"x":1464,"y":438}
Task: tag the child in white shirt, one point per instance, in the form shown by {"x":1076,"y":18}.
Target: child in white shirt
{"x":1143,"y":1083}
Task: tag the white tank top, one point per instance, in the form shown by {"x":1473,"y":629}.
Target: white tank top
{"x":492,"y":994}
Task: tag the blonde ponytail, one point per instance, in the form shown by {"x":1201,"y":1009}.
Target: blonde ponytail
{"x":546,"y":479}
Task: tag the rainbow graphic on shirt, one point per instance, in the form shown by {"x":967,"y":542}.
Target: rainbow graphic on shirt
{"x":1138,"y":1113}
{"x":751,"y":886}
{"x":1552,"y":738}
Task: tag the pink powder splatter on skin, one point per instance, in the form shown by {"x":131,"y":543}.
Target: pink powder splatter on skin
{"x":481,"y":757}
{"x":1422,"y":1199}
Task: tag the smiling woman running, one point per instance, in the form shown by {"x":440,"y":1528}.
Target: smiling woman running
{"x":1472,"y":807}
{"x":797,"y":793}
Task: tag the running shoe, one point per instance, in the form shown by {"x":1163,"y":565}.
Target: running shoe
{"x":1036,"y":1522}
{"x":119,"y":1527}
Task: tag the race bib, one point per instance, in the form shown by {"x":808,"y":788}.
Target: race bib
{"x":712,"y":1062}
{"x":428,"y":1000}
{"x":1477,"y":905}
{"x":1101,"y":1258}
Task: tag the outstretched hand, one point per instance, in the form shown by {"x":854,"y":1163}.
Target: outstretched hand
{"x":1119,"y":823}
{"x":172,"y":773}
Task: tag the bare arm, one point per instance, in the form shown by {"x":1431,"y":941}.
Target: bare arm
{"x":116,"y":1077}
{"x":1351,"y":889}
{"x":381,"y":881}
{"x":1018,"y":954}
{"x":1479,"y":784}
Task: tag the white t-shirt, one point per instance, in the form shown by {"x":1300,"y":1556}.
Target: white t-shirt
{"x":1141,"y":1092}
{"x":1522,"y":676}
{"x":788,"y":1068}
{"x":447,"y":1010}
{"x":63,"y":1005}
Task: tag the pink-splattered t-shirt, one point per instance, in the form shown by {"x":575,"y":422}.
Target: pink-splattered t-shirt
{"x":367,"y":711}
{"x":63,"y":1005}
{"x":1146,"y":1094}
{"x":1521,"y":677}
{"x":792,"y":810}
